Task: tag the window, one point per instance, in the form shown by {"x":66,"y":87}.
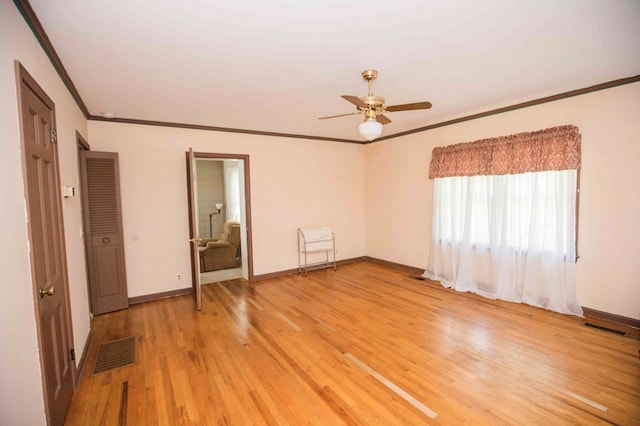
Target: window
{"x":516,"y":212}
{"x":504,"y":217}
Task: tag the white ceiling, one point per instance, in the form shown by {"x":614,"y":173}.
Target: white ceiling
{"x":276,"y":66}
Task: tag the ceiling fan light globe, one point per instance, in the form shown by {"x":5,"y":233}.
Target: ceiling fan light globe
{"x":370,"y":129}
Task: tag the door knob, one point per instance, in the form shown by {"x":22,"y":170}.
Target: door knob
{"x":195,"y":240}
{"x":49,"y":291}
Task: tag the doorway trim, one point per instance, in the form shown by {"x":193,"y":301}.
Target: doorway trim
{"x":247,"y":200}
{"x":83,"y":145}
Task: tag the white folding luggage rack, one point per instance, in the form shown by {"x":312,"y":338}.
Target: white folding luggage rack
{"x":316,"y":239}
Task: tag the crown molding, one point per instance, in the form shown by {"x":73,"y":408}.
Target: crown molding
{"x":219,"y":129}
{"x":25,"y":9}
{"x":552,"y":98}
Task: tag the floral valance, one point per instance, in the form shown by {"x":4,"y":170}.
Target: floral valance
{"x":557,"y":148}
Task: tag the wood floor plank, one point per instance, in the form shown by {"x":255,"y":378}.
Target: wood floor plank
{"x":277,"y":353}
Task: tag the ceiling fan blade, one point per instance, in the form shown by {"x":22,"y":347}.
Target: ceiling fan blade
{"x":354,"y":100}
{"x":407,"y":107}
{"x":382,"y":119}
{"x":339,"y":115}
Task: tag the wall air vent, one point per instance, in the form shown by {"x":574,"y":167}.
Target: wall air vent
{"x":603,"y":328}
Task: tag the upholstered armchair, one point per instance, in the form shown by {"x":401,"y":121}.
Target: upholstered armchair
{"x":222,"y":253}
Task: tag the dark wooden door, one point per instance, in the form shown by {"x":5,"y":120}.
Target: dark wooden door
{"x":47,"y":245}
{"x":103,"y":231}
{"x":193,"y":229}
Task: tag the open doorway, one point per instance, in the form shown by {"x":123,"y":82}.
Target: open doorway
{"x":221,"y":204}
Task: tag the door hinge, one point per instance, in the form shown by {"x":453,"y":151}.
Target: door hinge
{"x":72,"y":354}
{"x":54,"y":136}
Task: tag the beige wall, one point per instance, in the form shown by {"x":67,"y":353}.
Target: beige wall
{"x":21,"y":400}
{"x":294,"y":183}
{"x":398,"y":191}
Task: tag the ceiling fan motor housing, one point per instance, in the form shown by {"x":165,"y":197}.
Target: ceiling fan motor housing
{"x":372,"y":106}
{"x":373,"y":101}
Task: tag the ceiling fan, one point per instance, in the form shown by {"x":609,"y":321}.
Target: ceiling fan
{"x":373,"y":108}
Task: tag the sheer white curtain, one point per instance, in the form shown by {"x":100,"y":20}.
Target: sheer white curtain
{"x":232,"y":189}
{"x":510,"y":237}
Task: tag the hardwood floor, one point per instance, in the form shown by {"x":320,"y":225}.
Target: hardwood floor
{"x":363,"y":345}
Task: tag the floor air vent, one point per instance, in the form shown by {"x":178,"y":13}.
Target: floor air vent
{"x":115,"y":354}
{"x":603,"y":328}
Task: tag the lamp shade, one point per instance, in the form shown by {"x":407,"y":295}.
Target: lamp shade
{"x":370,"y":129}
